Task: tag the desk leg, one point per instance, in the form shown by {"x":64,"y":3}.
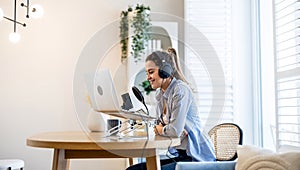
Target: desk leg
{"x":130,"y":161}
{"x":59,"y":161}
{"x":153,"y":163}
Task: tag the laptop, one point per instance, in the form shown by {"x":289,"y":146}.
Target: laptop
{"x":104,"y":98}
{"x":102,"y":91}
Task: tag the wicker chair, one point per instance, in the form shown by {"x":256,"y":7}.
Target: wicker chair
{"x":226,"y":137}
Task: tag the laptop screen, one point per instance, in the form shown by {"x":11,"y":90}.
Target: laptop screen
{"x":102,"y":92}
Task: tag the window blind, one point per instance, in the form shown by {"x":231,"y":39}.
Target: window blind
{"x":287,"y":71}
{"x":212,"y":18}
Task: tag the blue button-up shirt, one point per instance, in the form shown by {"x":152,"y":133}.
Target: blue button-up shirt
{"x":182,"y":114}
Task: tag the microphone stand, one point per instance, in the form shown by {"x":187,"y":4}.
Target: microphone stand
{"x":140,"y":97}
{"x":146,"y":121}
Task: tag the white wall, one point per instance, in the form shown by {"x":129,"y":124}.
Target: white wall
{"x":37,"y":73}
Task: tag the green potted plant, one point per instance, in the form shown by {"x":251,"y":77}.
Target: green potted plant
{"x":124,"y":23}
{"x":141,"y":27}
{"x":147,"y":87}
{"x":140,"y":24}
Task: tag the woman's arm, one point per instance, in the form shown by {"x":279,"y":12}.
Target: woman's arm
{"x":158,"y":129}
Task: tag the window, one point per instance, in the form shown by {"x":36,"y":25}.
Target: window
{"x":287,"y":72}
{"x":212,"y":19}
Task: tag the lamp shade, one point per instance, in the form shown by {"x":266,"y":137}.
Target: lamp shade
{"x":14,"y":37}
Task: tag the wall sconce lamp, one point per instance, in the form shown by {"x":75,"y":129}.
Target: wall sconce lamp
{"x":35,"y":11}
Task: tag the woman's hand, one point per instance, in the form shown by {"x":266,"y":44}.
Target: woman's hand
{"x":158,"y":129}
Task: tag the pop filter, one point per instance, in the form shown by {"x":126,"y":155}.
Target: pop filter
{"x":139,"y":96}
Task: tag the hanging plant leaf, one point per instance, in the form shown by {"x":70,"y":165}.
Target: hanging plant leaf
{"x":124,"y":34}
{"x":140,"y":24}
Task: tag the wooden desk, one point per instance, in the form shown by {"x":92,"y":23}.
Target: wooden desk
{"x":78,"y":144}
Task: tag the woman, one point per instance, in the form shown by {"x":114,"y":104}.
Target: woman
{"x":177,"y":110}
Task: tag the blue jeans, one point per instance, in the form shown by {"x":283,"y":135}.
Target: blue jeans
{"x":166,"y":164}
{"x":142,"y":166}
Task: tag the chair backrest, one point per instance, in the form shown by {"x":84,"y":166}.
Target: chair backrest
{"x":226,"y":137}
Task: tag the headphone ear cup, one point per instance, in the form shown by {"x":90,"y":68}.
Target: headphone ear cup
{"x":165,"y":71}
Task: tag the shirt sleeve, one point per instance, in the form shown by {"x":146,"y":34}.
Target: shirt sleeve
{"x":178,"y":106}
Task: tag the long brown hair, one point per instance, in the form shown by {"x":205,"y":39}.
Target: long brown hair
{"x":170,"y":57}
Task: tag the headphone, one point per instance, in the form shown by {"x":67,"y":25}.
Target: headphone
{"x":165,"y":70}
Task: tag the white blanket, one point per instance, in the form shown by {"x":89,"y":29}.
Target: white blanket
{"x":254,"y":158}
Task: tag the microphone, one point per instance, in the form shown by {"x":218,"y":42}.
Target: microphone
{"x":140,"y":97}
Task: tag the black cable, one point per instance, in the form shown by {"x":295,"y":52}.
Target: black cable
{"x":144,"y":148}
{"x":15,"y":17}
{"x":147,"y":131}
{"x":164,"y":124}
{"x":171,"y":141}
